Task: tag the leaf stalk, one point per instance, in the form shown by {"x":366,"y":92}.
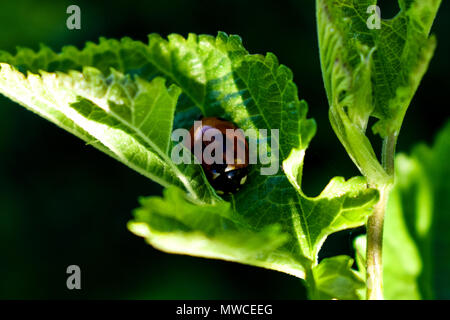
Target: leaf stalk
{"x":374,"y":254}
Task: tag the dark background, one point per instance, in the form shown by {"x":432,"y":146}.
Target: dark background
{"x":63,"y":203}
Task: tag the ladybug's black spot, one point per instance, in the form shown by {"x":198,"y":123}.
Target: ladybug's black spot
{"x":230,"y":181}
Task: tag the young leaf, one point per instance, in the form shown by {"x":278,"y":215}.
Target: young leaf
{"x":120,"y":96}
{"x":416,"y":248}
{"x":372,"y":71}
{"x":333,"y":278}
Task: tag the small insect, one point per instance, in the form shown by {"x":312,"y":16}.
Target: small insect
{"x":224,"y":177}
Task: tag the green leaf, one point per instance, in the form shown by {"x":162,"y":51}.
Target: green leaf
{"x":266,"y":98}
{"x":395,"y":57}
{"x":334,"y":278}
{"x":120,"y":96}
{"x":372,"y":72}
{"x":416,"y":246}
{"x":174,"y":224}
{"x":129,"y":119}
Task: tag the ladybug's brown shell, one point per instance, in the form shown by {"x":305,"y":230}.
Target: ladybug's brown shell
{"x":223,"y":177}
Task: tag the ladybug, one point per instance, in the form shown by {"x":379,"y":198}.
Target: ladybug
{"x":225,"y":177}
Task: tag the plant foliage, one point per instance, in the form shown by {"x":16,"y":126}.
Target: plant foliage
{"x":372,"y":72}
{"x":125,"y":98}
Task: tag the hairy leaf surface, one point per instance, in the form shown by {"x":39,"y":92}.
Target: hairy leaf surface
{"x":125,"y":97}
{"x":372,"y":72}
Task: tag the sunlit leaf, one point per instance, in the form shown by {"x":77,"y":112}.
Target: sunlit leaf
{"x":125,"y":98}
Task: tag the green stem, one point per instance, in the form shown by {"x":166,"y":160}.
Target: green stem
{"x":374,"y":249}
{"x":375,"y":225}
{"x":388,"y":154}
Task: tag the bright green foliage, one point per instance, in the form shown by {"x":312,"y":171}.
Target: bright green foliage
{"x":175,"y":224}
{"x":334,"y":277}
{"x":416,"y":248}
{"x":114,"y":113}
{"x":125,"y":97}
{"x":372,"y":72}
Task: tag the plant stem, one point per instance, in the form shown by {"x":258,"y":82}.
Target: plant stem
{"x":388,"y":154}
{"x":374,"y":249}
{"x":375,"y":225}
